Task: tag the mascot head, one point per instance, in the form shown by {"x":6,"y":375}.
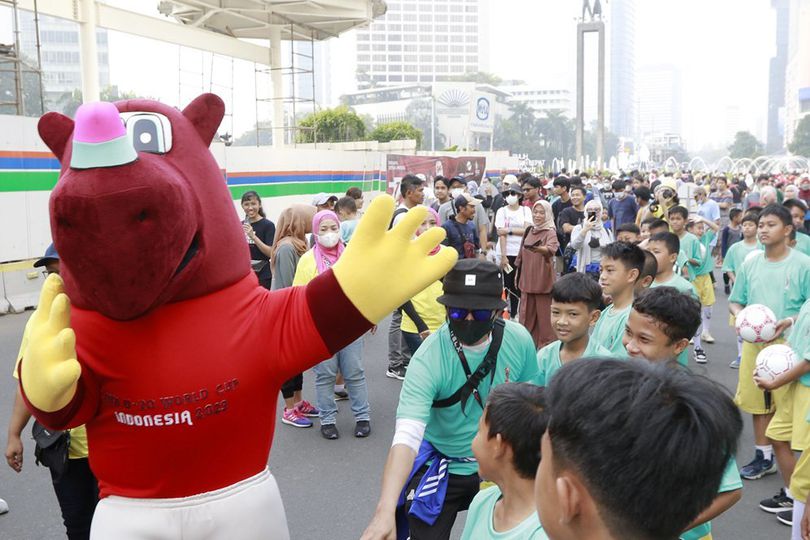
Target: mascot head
{"x":141,"y":214}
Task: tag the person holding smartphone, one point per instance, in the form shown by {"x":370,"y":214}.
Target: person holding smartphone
{"x":588,"y":238}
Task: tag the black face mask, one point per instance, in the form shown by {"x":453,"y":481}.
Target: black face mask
{"x":470,"y":332}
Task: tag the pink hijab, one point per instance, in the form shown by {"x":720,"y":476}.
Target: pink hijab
{"x":325,"y":257}
{"x":438,"y":219}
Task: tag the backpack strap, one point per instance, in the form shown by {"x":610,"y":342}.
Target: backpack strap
{"x":487,"y":367}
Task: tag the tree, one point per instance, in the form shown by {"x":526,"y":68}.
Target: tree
{"x":248,"y":138}
{"x":396,"y":131}
{"x":745,"y":145}
{"x":520,"y":132}
{"x":340,"y":124}
{"x":418,"y":114}
{"x":69,"y":102}
{"x":30,"y":89}
{"x":801,"y":138}
{"x":480,"y":77}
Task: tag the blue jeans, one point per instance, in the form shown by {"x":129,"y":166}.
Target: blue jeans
{"x":349,"y":360}
{"x":412,"y":340}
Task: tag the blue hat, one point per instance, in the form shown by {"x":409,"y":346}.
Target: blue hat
{"x":50,"y":255}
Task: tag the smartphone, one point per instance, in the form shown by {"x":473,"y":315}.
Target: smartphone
{"x":591,"y":216}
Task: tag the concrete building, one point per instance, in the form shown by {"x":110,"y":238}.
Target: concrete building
{"x":422,"y":41}
{"x":797,"y":74}
{"x":59,"y":40}
{"x":541,"y":99}
{"x":775,"y":137}
{"x":621,"y":66}
{"x":659,"y":103}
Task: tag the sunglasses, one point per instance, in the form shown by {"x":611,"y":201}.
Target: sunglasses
{"x":513,"y":192}
{"x":459,"y":314}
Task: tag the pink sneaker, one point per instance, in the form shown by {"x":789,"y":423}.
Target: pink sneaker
{"x":293,"y":418}
{"x":305,"y":408}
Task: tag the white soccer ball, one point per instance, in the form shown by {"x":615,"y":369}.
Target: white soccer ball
{"x":756,"y":324}
{"x":774,"y":360}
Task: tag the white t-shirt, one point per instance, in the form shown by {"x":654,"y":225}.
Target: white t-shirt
{"x":506,"y":218}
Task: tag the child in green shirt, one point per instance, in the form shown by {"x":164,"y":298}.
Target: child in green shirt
{"x":622,"y":264}
{"x":690,"y":247}
{"x":575,"y":302}
{"x":506,"y":447}
{"x":658,"y":330}
{"x":703,"y":280}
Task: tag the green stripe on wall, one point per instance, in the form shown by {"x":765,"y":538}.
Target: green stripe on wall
{"x":46,"y":180}
{"x":305,"y":188}
{"x":28,"y":180}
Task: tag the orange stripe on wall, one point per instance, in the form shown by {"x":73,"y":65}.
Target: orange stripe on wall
{"x":25,"y":154}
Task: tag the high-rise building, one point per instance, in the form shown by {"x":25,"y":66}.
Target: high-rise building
{"x":621,"y":35}
{"x":797,"y":72}
{"x":422,"y":41}
{"x":61,"y":64}
{"x":541,"y":98}
{"x":776,"y":78}
{"x":658,"y":104}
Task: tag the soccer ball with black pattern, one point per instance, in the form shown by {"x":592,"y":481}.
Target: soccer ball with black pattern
{"x":774,"y":360}
{"x":756,"y":324}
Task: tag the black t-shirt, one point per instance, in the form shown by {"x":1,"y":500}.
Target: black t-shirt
{"x":571,"y":216}
{"x":559,"y":206}
{"x":265,"y":231}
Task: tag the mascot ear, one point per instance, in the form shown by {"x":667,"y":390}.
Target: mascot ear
{"x":205,"y":114}
{"x":55,"y":130}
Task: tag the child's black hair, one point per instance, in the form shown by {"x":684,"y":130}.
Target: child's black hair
{"x":779,"y":211}
{"x":630,"y":255}
{"x":628,"y":227}
{"x":577,"y":287}
{"x":753,"y":217}
{"x":650,"y":266}
{"x":347,"y":204}
{"x":670,"y":241}
{"x":677,"y":313}
{"x":659,"y":224}
{"x":680,"y":210}
{"x":734,"y":212}
{"x":604,"y":412}
{"x":517,"y":411}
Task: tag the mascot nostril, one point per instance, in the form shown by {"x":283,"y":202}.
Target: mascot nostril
{"x":176,"y":343}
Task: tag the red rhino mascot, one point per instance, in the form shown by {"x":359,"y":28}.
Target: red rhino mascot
{"x":160,"y":339}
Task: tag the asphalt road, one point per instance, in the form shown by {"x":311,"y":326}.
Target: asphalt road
{"x":330,"y":488}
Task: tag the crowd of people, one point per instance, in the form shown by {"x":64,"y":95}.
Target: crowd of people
{"x":621,"y":269}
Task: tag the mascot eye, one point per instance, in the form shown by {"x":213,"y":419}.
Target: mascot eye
{"x":149,"y":132}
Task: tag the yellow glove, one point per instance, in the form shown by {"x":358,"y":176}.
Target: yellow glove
{"x":381,"y":269}
{"x":49,"y":368}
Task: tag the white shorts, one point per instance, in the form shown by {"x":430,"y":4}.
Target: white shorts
{"x":250,"y":509}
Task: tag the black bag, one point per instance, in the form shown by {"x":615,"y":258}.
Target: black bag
{"x":51,"y":448}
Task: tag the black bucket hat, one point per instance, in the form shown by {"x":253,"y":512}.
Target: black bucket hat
{"x":473,"y":284}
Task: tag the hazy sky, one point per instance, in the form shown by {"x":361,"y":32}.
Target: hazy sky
{"x":722,"y":54}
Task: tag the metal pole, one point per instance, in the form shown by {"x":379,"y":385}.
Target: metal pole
{"x":39,"y":60}
{"x":18,"y":90}
{"x":88,"y":52}
{"x":432,"y":122}
{"x":600,"y":127}
{"x":277,"y":117}
{"x":580,"y":91}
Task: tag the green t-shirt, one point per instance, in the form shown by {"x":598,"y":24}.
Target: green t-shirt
{"x":799,"y":339}
{"x":736,"y":254}
{"x":706,"y":259}
{"x":435,"y":372}
{"x":680,"y":262}
{"x":690,"y":249}
{"x":680,"y":283}
{"x":609,"y":330}
{"x":730,"y":482}
{"x":802,"y":243}
{"x":479,"y":521}
{"x":548,"y":359}
{"x":783,"y":286}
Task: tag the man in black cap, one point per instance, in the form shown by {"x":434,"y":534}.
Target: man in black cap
{"x":75,"y":486}
{"x":461,"y":232}
{"x":430,"y":466}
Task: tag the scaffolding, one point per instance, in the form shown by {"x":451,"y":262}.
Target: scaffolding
{"x":12,"y":61}
{"x":294,"y":76}
{"x":191,"y":82}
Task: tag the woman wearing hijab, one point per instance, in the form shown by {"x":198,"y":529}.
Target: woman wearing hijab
{"x":289,"y":244}
{"x":588,"y":238}
{"x":349,"y":360}
{"x":536,"y":274}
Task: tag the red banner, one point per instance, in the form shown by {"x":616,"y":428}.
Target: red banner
{"x":397,"y":166}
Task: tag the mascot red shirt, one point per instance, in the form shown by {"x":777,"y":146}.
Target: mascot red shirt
{"x":160,"y":339}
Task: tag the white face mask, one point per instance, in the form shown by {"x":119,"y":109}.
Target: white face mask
{"x":328,"y":240}
{"x":805,"y":187}
{"x":621,"y":194}
{"x":455,"y":192}
{"x":512,"y":199}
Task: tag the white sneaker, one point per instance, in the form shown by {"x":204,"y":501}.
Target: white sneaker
{"x":707,"y":337}
{"x":3,"y":506}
